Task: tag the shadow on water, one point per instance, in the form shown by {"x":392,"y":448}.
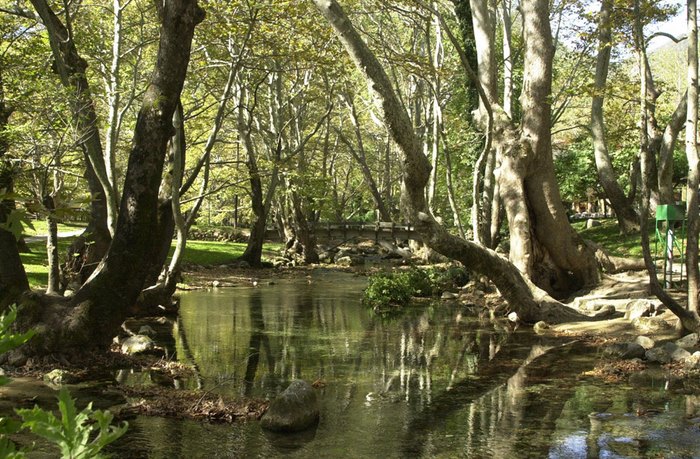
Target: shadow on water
{"x":439,"y":381}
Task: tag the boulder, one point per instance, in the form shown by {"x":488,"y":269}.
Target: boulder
{"x":658,"y":355}
{"x":58,"y":377}
{"x":634,"y":351}
{"x":293,"y":410}
{"x":590,"y":223}
{"x":678,"y":354}
{"x":137,"y":344}
{"x":639,"y":308}
{"x":646,"y":342}
{"x":693,"y":362}
{"x":625,"y":351}
{"x":326,"y":257}
{"x":449,"y":296}
{"x":688,"y":341}
{"x":147,"y":330}
{"x":348,"y":261}
{"x":651,"y":324}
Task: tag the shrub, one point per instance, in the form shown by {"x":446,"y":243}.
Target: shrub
{"x":387,"y":290}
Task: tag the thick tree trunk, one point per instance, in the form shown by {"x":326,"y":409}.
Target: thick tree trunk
{"x":531,"y":303}
{"x":544,"y":246}
{"x":96,"y":312}
{"x":13,"y":278}
{"x":627,"y":218}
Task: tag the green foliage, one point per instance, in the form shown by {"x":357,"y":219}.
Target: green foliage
{"x":576,"y":172}
{"x":8,"y":341}
{"x":16,"y":221}
{"x":387,"y":290}
{"x":73,"y":431}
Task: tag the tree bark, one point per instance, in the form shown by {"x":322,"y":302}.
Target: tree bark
{"x":689,"y":320}
{"x":668,"y":144}
{"x":361,"y":158}
{"x":53,"y":284}
{"x":544,"y":246}
{"x":531,"y":303}
{"x":627,"y":218}
{"x":261,"y":202}
{"x":71,"y":68}
{"x":97,"y":310}
{"x":691,"y":150}
{"x":13,"y":278}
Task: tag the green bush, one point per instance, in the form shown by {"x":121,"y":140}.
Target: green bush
{"x":391,"y":290}
{"x":386,"y":290}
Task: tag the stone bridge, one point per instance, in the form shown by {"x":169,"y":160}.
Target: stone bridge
{"x":347,"y":231}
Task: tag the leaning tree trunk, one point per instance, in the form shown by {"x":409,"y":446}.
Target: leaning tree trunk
{"x":13,"y":278}
{"x":691,"y":149}
{"x":97,"y":310}
{"x":689,"y":320}
{"x":531,"y":303}
{"x":668,"y":144}
{"x":87,"y":250}
{"x":71,"y":68}
{"x":627,"y":218}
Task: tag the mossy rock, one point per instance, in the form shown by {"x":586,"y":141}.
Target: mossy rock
{"x":293,"y":410}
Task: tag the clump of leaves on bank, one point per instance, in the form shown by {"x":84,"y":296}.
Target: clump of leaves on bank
{"x":394,"y":290}
{"x":77,"y":434}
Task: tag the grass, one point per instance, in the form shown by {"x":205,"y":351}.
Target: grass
{"x":608,"y":236}
{"x":208,"y":253}
{"x":203,"y":253}
{"x":40,"y":227}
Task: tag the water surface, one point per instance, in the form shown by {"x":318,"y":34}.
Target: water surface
{"x":437,"y":381}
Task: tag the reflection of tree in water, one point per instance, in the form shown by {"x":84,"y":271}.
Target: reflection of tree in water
{"x":258,"y":339}
{"x":436,"y":343}
{"x":506,"y":409}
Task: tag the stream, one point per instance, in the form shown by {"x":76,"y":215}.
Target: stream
{"x":436,"y":381}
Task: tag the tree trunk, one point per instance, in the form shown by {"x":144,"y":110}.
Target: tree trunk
{"x":360,"y":157}
{"x":96,"y":312}
{"x":627,"y":218}
{"x":53,"y":284}
{"x":71,"y":69}
{"x":13,"y":278}
{"x":668,"y":144}
{"x":689,"y":320}
{"x":530,"y":302}
{"x":260,"y":202}
{"x":691,"y":150}
{"x":544,"y":246}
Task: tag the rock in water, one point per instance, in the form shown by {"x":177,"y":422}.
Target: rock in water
{"x":293,"y":410}
{"x":137,"y":344}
